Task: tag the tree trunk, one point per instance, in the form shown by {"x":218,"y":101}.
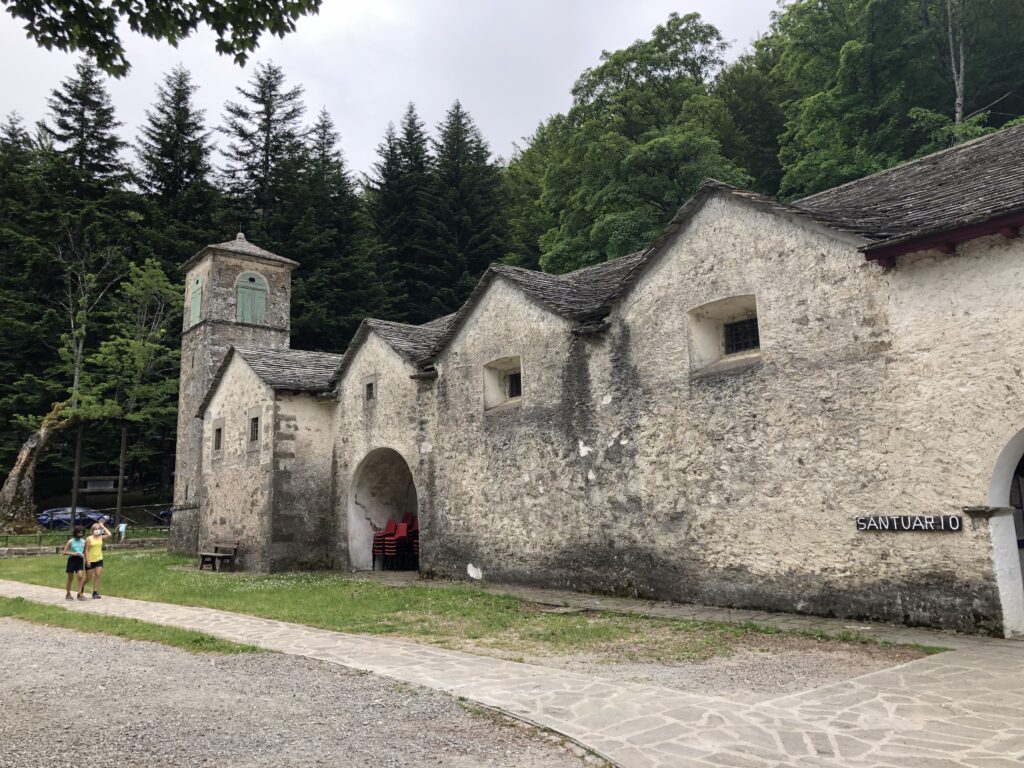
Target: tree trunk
{"x":120,"y":472}
{"x":17,"y":497}
{"x":76,"y":475}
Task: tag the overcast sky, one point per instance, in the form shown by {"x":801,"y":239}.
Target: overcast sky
{"x":510,"y":62}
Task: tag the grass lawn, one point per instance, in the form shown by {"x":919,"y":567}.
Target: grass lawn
{"x":51,"y":616}
{"x":452,"y":616}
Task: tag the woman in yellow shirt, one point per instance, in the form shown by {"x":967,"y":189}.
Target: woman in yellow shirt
{"x":94,"y":558}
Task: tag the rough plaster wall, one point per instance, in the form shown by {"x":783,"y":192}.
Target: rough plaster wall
{"x":238,"y":485}
{"x":399,"y":419}
{"x":956,"y":321}
{"x":960,"y":398}
{"x":301,"y":523}
{"x":203,"y":347}
{"x":752,"y":480}
{"x":509,"y":481}
{"x":622,"y":472}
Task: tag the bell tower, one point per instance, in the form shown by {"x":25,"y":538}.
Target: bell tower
{"x":236,"y":294}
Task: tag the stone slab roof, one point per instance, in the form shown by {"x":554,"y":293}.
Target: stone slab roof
{"x":412,"y":342}
{"x":280,"y":369}
{"x":293,"y":369}
{"x":967,"y":184}
{"x":242,"y":247}
{"x":581,"y":295}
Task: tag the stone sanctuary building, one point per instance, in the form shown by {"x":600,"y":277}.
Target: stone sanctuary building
{"x":813,"y":407}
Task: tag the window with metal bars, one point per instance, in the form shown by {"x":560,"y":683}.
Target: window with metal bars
{"x":370,"y":394}
{"x":741,"y":336}
{"x":254,"y":429}
{"x":514,"y":384}
{"x":218,"y":436}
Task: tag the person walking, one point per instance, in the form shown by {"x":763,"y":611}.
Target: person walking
{"x":74,"y":548}
{"x":94,"y":557}
{"x":122,"y":529}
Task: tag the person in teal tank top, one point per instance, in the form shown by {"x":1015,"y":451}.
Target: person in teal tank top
{"x":74,"y":548}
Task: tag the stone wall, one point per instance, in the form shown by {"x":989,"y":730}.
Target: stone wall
{"x":301,"y":525}
{"x":204,"y":345}
{"x":509,"y":486}
{"x":624,"y":470}
{"x":184,"y":534}
{"x":239,"y":478}
{"x":398,"y":418}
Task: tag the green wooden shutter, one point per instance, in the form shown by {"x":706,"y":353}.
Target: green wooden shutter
{"x":259,"y":306}
{"x":251,"y":299}
{"x":243,"y":312}
{"x":196,"y":302}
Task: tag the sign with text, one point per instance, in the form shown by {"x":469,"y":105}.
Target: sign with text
{"x":897,"y":523}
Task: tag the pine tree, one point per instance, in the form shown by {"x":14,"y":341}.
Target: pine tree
{"x":400,"y":208}
{"x":83,"y":127}
{"x":265,"y":136}
{"x":466,"y":202}
{"x":336,"y":286}
{"x":174,"y":145}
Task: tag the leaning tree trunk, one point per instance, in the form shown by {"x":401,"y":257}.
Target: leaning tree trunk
{"x":17,"y":497}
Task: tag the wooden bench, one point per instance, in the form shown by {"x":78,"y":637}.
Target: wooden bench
{"x":218,"y":554}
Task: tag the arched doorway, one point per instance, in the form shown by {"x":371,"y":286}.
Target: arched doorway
{"x":382,"y":489}
{"x":1006,"y":489}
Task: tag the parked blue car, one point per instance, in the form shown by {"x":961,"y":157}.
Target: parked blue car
{"x":60,"y":517}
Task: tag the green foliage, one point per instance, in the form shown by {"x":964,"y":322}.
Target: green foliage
{"x":865,"y":84}
{"x":133,"y":373}
{"x":644,"y":132}
{"x":174,"y":145}
{"x":337,"y":285}
{"x":83,"y":128}
{"x":91,"y":27}
{"x":399,"y":206}
{"x":466,"y":210}
{"x":265,"y":139}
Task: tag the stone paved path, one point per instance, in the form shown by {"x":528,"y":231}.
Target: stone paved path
{"x":952,"y":710}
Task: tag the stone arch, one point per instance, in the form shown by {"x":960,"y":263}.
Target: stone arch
{"x":382,"y":489}
{"x":1006,"y":556}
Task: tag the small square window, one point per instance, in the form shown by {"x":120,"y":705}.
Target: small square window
{"x":370,"y":392}
{"x":503,"y":382}
{"x":254,"y":429}
{"x":514,"y":384}
{"x":741,"y":336}
{"x":218,"y":438}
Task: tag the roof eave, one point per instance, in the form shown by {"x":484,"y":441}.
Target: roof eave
{"x":279,"y":261}
{"x":943,"y":239}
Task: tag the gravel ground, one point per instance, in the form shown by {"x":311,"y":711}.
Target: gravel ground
{"x":762,"y":667}
{"x":156,"y":706}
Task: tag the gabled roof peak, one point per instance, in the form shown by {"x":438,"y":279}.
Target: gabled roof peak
{"x":241,"y":247}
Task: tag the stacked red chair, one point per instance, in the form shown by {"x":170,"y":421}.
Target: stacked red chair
{"x":414,"y":539}
{"x":378,"y":542}
{"x":396,"y":546}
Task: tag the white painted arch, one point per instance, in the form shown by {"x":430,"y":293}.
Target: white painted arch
{"x":1005,"y":555}
{"x":381,"y":489}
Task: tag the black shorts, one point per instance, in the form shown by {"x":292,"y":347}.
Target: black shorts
{"x":75,"y":564}
{"x":97,"y":564}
